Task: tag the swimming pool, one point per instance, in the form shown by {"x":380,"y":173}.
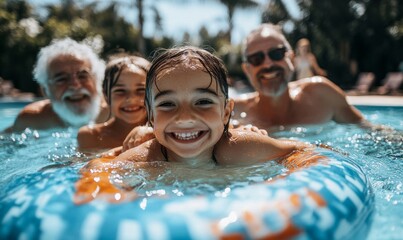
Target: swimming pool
{"x":379,"y":154}
{"x":8,"y":111}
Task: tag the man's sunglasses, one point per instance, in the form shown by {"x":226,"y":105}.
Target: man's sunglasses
{"x":275,"y":54}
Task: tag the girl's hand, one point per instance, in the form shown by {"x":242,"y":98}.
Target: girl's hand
{"x":138,"y":136}
{"x":252,"y":128}
{"x":114,"y":152}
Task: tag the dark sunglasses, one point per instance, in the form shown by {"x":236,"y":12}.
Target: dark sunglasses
{"x":275,"y":54}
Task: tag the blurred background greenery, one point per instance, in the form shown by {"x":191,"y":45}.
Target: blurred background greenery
{"x":347,"y":37}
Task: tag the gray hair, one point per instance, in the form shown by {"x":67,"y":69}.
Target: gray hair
{"x":67,"y":46}
{"x":265,"y":27}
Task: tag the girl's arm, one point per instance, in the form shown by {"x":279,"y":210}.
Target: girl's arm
{"x":137,"y":136}
{"x":96,"y":176}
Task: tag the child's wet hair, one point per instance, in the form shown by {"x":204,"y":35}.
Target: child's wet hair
{"x":115,"y":67}
{"x":194,"y":57}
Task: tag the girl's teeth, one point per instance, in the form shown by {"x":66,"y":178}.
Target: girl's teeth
{"x":129,"y":109}
{"x":186,"y":136}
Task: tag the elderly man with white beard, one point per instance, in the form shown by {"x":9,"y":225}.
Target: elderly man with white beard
{"x":70,"y":75}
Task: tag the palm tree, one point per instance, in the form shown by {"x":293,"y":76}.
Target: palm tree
{"x":276,"y":12}
{"x":231,"y":5}
{"x":140,"y":18}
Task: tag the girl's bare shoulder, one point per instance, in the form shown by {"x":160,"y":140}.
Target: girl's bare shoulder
{"x":86,"y":137}
{"x":247,"y":147}
{"x":89,"y":136}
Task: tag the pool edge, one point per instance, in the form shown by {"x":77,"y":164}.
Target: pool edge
{"x":395,"y":101}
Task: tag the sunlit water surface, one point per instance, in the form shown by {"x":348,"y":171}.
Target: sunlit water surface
{"x":379,"y":153}
{"x":34,"y":157}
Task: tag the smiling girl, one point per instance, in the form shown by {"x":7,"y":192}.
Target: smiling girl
{"x":189,"y":109}
{"x":188,"y":106}
{"x":123,"y":88}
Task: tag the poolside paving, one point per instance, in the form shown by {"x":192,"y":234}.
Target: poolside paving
{"x":376,"y":100}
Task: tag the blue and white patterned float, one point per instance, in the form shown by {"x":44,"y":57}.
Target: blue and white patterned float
{"x":325,"y":197}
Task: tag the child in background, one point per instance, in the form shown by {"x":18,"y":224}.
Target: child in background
{"x":123,"y":88}
{"x":188,"y":106}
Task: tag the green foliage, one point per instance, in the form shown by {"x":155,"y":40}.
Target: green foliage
{"x":276,"y":12}
{"x":17,"y":46}
{"x":231,"y":5}
{"x":341,"y":32}
{"x":62,"y":20}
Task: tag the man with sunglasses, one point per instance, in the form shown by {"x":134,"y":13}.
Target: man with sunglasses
{"x":278,"y":101}
{"x":70,"y":75}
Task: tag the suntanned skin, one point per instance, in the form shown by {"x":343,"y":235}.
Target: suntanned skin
{"x":279,"y":102}
{"x":128,"y":111}
{"x":317,"y":101}
{"x":189,"y":113}
{"x":40,"y":114}
{"x":189,"y":122}
{"x":104,"y":136}
{"x":240,"y":147}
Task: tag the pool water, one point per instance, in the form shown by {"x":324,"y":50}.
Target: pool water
{"x":41,"y":157}
{"x":8,"y":112}
{"x":379,"y":153}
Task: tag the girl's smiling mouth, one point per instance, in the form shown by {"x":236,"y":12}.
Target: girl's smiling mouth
{"x":131,"y":109}
{"x":188,"y":136}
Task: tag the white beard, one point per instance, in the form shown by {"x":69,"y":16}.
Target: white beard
{"x":274,"y":93}
{"x":64,"y":111}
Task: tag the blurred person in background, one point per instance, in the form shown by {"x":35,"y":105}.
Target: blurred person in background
{"x":305,"y":61}
{"x":70,"y":75}
{"x":268,"y":64}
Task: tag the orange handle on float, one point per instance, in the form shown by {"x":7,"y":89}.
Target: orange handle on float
{"x":95,"y":182}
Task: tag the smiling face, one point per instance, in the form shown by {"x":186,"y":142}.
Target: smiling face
{"x":188,"y":112}
{"x":271,"y":77}
{"x":127,"y":96}
{"x":72,"y":89}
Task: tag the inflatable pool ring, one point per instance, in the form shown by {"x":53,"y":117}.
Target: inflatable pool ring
{"x":323,"y":196}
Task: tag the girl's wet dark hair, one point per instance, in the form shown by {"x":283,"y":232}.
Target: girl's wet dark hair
{"x":193,"y":56}
{"x":115,"y":67}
